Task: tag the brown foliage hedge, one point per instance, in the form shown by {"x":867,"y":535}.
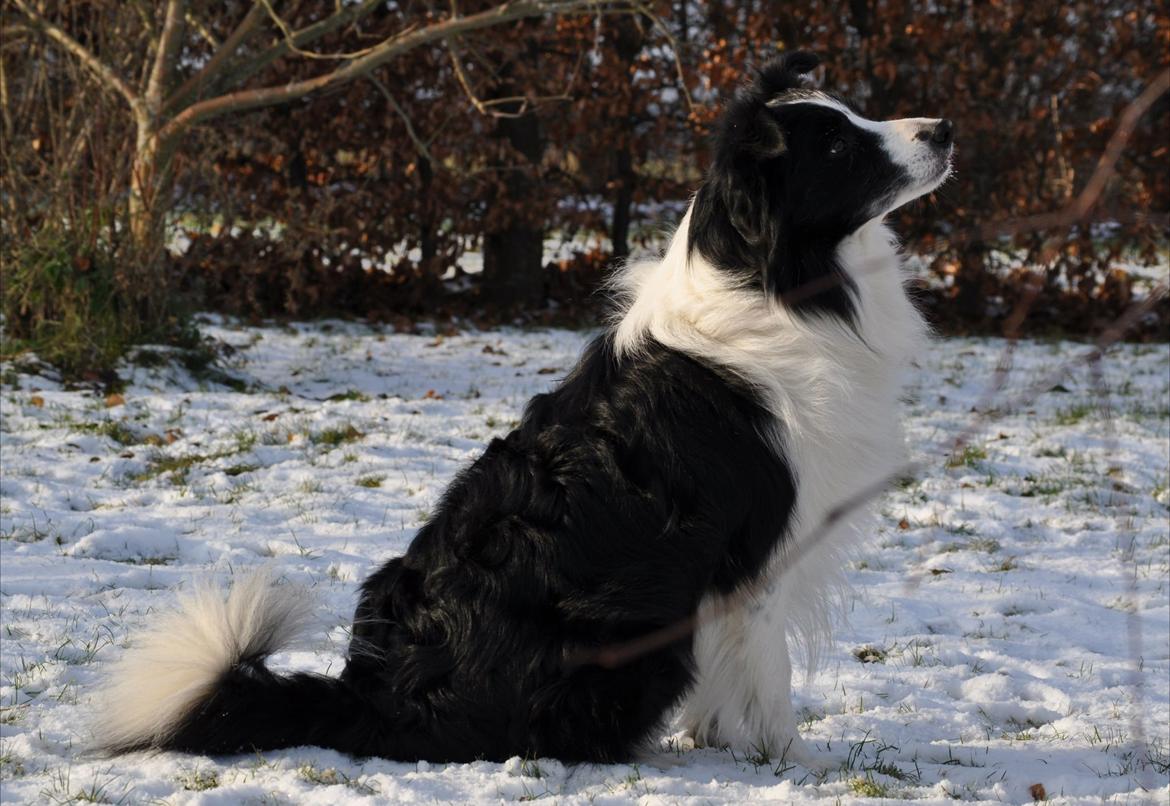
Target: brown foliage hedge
{"x":289,"y":210}
{"x":1035,"y":90}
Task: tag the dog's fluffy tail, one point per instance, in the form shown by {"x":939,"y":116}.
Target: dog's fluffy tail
{"x":196,"y":680}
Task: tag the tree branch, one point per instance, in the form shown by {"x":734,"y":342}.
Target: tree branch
{"x":338,"y":19}
{"x":421,"y":146}
{"x":104,"y":74}
{"x":202,"y":30}
{"x":1076,"y":211}
{"x":207,"y":74}
{"x":380,"y":54}
{"x":164,"y":59}
{"x":287,"y":32}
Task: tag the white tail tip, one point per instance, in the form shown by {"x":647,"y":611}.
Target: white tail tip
{"x":175,"y":664}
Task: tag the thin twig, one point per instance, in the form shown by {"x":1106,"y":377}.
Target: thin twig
{"x":617,"y":654}
{"x":388,"y":49}
{"x":207,"y":74}
{"x":419,"y":144}
{"x":103,"y":72}
{"x":291,"y":42}
{"x":680,"y":74}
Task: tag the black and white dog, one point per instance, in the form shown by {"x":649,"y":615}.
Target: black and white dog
{"x":749,"y":384}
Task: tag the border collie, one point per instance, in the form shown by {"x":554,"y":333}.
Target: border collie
{"x":677,"y":476}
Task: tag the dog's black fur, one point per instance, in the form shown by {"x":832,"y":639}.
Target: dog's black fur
{"x":624,"y":496}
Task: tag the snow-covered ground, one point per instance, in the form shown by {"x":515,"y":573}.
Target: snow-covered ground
{"x":1009,"y":624}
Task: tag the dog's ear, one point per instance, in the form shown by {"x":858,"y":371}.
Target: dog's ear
{"x":749,"y":135}
{"x":784,"y":72}
{"x":745,"y":197}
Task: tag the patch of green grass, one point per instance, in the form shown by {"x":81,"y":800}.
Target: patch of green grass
{"x":1144,"y":411}
{"x":1052,"y":452}
{"x":245,"y":440}
{"x":870,"y":654}
{"x":337,"y":435}
{"x":66,"y":298}
{"x":176,"y":466}
{"x":1009,"y":564}
{"x":199,"y":780}
{"x":1157,"y":756}
{"x":372,"y":480}
{"x":61,"y":791}
{"x":116,"y":430}
{"x":970,"y":456}
{"x":10,"y":766}
{"x":159,"y":464}
{"x":201,"y":359}
{"x":332,"y":777}
{"x":1042,"y":486}
{"x":984,"y":544}
{"x":349,"y":394}
{"x":867,"y":787}
{"x":12,"y":714}
{"x":316,"y":775}
{"x":892,"y":771}
{"x":1071,"y":415}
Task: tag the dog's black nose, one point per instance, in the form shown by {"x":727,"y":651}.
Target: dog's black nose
{"x":943,"y":134}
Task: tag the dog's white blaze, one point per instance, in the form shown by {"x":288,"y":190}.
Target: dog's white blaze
{"x":901,"y":139}
{"x":176,"y":662}
{"x":835,"y":398}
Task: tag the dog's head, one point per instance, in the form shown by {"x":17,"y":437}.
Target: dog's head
{"x":795,"y":171}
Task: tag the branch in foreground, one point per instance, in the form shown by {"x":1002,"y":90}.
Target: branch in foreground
{"x":1076,"y":211}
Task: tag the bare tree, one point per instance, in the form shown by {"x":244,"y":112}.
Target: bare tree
{"x":172,"y":95}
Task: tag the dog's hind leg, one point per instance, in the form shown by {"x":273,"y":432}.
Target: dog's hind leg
{"x":743,"y":694}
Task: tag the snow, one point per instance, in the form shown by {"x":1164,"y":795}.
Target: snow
{"x":1012,"y":604}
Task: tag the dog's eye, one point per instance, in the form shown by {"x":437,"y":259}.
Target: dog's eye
{"x":837,"y":147}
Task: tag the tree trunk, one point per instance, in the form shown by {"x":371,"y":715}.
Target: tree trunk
{"x":628,"y":42}
{"x":149,"y":178}
{"x":426,"y":225}
{"x":619,"y":231}
{"x":971,"y":283}
{"x":513,"y":250}
{"x":513,"y":265}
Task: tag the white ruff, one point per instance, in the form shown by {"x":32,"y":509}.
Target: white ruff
{"x":835,"y":398}
{"x":175,"y":664}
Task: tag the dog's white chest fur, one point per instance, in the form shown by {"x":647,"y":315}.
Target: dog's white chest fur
{"x":834,"y":391}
